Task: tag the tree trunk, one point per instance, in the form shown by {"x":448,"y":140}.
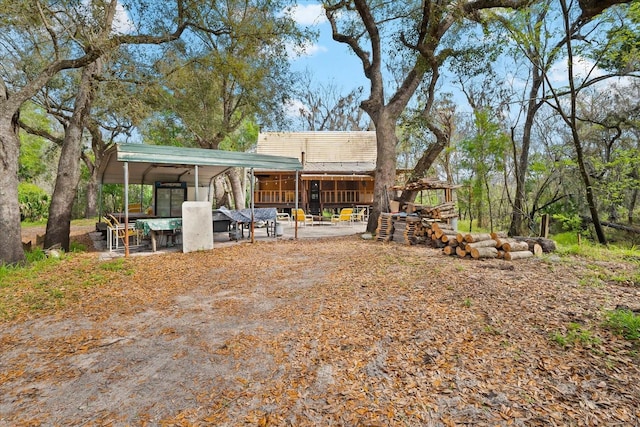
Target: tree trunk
{"x":517,"y":227}
{"x":59,"y":223}
{"x":11,"y":251}
{"x":385,"y":167}
{"x":92,"y":196}
{"x":237,"y":189}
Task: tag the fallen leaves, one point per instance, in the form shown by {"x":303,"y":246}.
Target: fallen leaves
{"x":326,"y":332}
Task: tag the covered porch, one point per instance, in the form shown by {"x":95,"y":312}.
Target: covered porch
{"x":180,"y":177}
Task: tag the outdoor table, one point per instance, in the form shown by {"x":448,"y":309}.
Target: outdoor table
{"x":243,"y":216}
{"x":156,"y":226}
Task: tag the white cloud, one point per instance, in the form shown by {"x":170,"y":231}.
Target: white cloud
{"x":122,"y":24}
{"x":582,"y":68}
{"x":309,"y":49}
{"x":295,"y":108}
{"x":311,"y":14}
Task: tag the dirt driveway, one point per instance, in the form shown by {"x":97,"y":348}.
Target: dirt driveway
{"x":335,"y":331}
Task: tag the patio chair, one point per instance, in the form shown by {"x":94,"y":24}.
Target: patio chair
{"x":118,"y":232}
{"x":303,"y":218}
{"x":359,"y":216}
{"x":345,"y":216}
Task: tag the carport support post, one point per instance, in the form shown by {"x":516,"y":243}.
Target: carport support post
{"x":196,"y":182}
{"x":252,"y":205}
{"x":126,"y":209}
{"x":295,"y":215}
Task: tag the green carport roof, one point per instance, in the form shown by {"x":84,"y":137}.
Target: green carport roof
{"x":150,"y":163}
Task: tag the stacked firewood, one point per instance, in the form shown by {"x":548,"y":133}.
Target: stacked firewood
{"x":481,"y":245}
{"x":404,"y":230}
{"x":442,"y":211}
{"x":384,"y":232}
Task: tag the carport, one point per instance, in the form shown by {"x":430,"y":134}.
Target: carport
{"x":146,"y":164}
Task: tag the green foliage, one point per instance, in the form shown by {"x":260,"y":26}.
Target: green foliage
{"x":76,"y":247}
{"x":34,"y":202}
{"x":623,"y":51}
{"x":113,"y":196}
{"x":35,"y":255}
{"x":574,"y":335}
{"x":569,"y":223}
{"x":34,"y":150}
{"x":624,"y":323}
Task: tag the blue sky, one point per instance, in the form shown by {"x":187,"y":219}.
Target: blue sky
{"x":328,"y":60}
{"x":333,"y":62}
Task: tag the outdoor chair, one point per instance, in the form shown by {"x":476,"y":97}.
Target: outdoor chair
{"x":116,"y":232}
{"x":359,"y":216}
{"x":345,"y":216}
{"x":302,"y":218}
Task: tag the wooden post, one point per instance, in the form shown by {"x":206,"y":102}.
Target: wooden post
{"x":544,"y":226}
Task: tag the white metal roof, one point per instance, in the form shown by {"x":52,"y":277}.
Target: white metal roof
{"x":150,"y":163}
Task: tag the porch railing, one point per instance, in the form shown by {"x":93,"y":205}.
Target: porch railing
{"x":329,"y":197}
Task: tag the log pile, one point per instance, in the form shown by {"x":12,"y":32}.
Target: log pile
{"x":426,"y":184}
{"x":399,"y":230}
{"x":384,"y":232}
{"x":404,"y":230}
{"x":482,"y":245}
{"x":442,"y":211}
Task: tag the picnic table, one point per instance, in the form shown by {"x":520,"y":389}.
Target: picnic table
{"x":159,"y":226}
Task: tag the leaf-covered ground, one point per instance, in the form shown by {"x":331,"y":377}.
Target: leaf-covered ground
{"x":327,"y":332}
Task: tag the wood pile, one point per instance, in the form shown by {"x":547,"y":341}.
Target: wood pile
{"x":384,"y":232}
{"x":426,"y":184}
{"x":442,"y":211}
{"x":404,"y":230}
{"x":413,"y":230}
{"x":484,"y":245}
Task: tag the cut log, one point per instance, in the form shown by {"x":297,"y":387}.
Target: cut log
{"x":537,"y":249}
{"x":486,"y":252}
{"x":481,"y":244}
{"x":461,"y":252}
{"x":515,"y":246}
{"x":510,"y":256}
{"x":548,"y":245}
{"x":447,"y":238}
{"x":460,"y":237}
{"x":498,"y":235}
{"x":449,"y":250}
{"x":501,"y":241}
{"x":476,"y":237}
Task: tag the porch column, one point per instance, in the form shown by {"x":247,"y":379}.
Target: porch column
{"x":126,"y":209}
{"x":196,"y":181}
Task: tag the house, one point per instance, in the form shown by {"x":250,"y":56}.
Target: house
{"x":337,"y":170}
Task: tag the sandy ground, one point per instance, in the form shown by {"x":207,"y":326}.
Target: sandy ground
{"x":336,"y":331}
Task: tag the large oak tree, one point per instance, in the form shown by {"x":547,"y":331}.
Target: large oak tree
{"x":40,"y":40}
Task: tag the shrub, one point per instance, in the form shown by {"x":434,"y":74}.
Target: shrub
{"x":624,"y":322}
{"x":34,"y":202}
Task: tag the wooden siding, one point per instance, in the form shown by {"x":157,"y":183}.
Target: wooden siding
{"x":332,"y":147}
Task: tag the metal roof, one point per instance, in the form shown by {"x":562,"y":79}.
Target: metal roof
{"x":150,"y":163}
